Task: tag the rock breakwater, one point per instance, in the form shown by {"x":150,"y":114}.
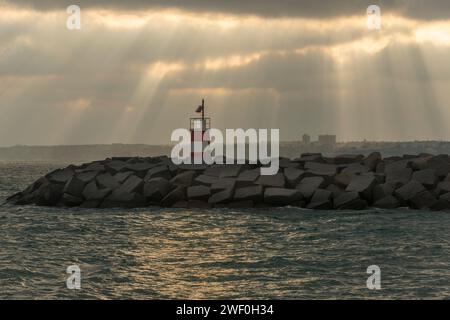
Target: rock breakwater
{"x":346,"y":182}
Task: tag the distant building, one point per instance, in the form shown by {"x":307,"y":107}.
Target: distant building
{"x":327,"y":140}
{"x":306,"y":139}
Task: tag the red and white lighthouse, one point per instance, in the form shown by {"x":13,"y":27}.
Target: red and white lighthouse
{"x":199,"y":134}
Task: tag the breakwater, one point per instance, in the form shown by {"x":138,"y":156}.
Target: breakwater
{"x":346,"y":182}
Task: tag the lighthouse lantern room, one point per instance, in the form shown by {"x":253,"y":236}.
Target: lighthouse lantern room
{"x":199,"y":135}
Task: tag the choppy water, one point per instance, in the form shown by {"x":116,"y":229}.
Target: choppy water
{"x":163,"y":253}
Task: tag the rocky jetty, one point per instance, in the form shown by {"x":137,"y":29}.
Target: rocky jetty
{"x":347,"y":182}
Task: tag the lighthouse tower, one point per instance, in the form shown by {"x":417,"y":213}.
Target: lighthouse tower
{"x":199,"y":136}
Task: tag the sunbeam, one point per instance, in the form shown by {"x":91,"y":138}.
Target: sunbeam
{"x":139,"y":69}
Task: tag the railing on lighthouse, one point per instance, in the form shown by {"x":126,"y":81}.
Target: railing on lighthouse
{"x":199,"y":135}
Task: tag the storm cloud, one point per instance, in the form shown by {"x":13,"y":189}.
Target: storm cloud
{"x":137,"y":69}
{"x":420,"y":9}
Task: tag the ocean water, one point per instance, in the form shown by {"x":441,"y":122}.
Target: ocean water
{"x":281,"y":253}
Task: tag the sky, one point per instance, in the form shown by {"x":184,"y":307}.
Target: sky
{"x":137,"y":70}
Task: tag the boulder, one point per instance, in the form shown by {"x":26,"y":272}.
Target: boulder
{"x":71,"y":201}
{"x":326,"y":205}
{"x":193,"y":167}
{"x":321,"y":169}
{"x":343,"y":179}
{"x":248,"y":177}
{"x":223,"y":184}
{"x":183,"y":179}
{"x":398,"y":175}
{"x":426,"y":177}
{"x":394,"y":163}
{"x":126,"y":200}
{"x":198,"y":204}
{"x":422,"y":200}
{"x":94,"y":166}
{"x":231,"y":170}
{"x":281,"y":196}
{"x":440,"y":163}
{"x":363,"y":185}
{"x":87,"y":176}
{"x":128,"y":194}
{"x":32,"y":188}
{"x":164,"y":159}
{"x":115,"y":166}
{"x":442,"y":188}
{"x":310,"y":157}
{"x":158,"y":172}
{"x":74,"y":186}
{"x":60,"y":176}
{"x":293,"y":176}
{"x":348,"y":158}
{"x":132,"y":184}
{"x":178,"y":194}
{"x":48,"y":194}
{"x":440,"y":205}
{"x":380,"y":177}
{"x":277,"y":181}
{"x":213,"y":170}
{"x":122,"y":176}
{"x":335,"y":190}
{"x":381,"y":191}
{"x":381,"y":167}
{"x":321,"y":200}
{"x":139,"y":169}
{"x":15,"y":198}
{"x":124,"y":159}
{"x":308,"y":186}
{"x":387,"y":202}
{"x":420,"y":162}
{"x":22,"y":198}
{"x":93,"y":192}
{"x":445,"y":197}
{"x":355,"y":169}
{"x":321,"y":195}
{"x":350,"y":201}
{"x":205,"y":180}
{"x":198,"y":193}
{"x":106,"y":180}
{"x":220,"y":197}
{"x":285,"y":163}
{"x":372,"y":160}
{"x":182,"y":204}
{"x":253,"y":193}
{"x":173,"y":168}
{"x":156,"y":189}
{"x":409,"y":190}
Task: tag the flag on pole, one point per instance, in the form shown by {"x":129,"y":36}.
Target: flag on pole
{"x":199,"y":109}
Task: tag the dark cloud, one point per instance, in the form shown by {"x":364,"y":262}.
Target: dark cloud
{"x":306,"y":8}
{"x":30,"y":51}
{"x":93,"y":86}
{"x":421,"y":9}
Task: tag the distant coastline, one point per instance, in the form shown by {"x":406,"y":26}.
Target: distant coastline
{"x":290,"y":149}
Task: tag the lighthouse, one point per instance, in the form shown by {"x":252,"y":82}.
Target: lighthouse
{"x":199,"y":135}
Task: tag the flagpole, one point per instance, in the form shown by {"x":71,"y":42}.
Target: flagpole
{"x":203,"y":114}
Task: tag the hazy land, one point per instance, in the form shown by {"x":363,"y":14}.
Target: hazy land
{"x":291,"y":149}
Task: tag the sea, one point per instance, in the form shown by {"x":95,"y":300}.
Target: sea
{"x":276,"y":253}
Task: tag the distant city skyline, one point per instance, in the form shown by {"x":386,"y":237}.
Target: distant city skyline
{"x":136,"y":70}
